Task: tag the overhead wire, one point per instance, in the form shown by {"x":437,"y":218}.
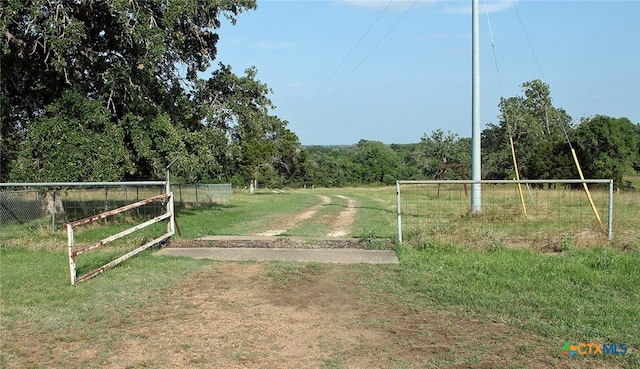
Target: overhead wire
{"x":495,"y":57}
{"x":506,"y":116}
{"x":363,"y":59}
{"x":524,"y":29}
{"x":535,"y":57}
{"x":344,"y":59}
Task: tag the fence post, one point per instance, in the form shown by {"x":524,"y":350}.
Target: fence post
{"x":72,"y":258}
{"x":169,"y":206}
{"x":398,"y":212}
{"x":53,"y":215}
{"x":610,"y":235}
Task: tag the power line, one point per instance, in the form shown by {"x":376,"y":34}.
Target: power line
{"x":528,"y":39}
{"x":363,"y":59}
{"x":343,"y":60}
{"x":524,"y":29}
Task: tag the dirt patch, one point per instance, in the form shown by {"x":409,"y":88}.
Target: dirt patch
{"x":345,"y":219}
{"x":247,"y":316}
{"x":340,"y":224}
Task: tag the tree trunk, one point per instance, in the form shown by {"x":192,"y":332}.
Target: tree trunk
{"x":52,"y":203}
{"x":253,"y":185}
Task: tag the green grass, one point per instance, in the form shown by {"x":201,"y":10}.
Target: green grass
{"x":284,"y":274}
{"x":36,"y":233}
{"x":36,"y":287}
{"x":319,"y":225}
{"x":376,"y":214}
{"x":251,"y":214}
{"x":576,"y":295}
{"x":635,"y":181}
{"x":37,"y":297}
{"x":581,"y":295}
{"x":245,"y":214}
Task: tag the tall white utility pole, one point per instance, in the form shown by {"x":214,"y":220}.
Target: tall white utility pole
{"x":476,"y":172}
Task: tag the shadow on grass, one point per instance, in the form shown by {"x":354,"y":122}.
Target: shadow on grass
{"x":195,"y":210}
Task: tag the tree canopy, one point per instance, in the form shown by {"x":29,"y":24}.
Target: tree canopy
{"x":608,"y":147}
{"x":443,"y":148}
{"x":114,"y":90}
{"x":539,"y":131}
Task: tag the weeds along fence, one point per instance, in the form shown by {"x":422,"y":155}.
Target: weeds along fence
{"x":51,"y":205}
{"x":540,"y":214}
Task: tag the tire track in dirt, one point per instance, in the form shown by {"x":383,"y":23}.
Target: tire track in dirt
{"x":298,"y":218}
{"x":342,"y":226}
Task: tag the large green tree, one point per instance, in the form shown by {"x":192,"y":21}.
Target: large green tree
{"x":260,"y":144}
{"x":139,"y":59}
{"x":376,"y":163}
{"x":443,"y":148}
{"x":332,"y":166}
{"x":75,"y":132}
{"x":539,"y":131}
{"x":608,"y":147}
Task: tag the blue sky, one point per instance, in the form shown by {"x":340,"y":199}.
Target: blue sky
{"x":347,"y":70}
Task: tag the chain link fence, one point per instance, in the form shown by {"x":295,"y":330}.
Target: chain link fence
{"x":20,"y":206}
{"x":189,"y":195}
{"x":55,"y":204}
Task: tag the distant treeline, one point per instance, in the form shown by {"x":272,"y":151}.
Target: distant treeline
{"x":544,"y":139}
{"x":606,"y":148}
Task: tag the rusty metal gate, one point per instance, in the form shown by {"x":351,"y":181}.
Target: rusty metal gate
{"x":166,"y":198}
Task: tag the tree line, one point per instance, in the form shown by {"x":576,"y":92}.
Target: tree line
{"x":116,"y":90}
{"x":544,"y":140}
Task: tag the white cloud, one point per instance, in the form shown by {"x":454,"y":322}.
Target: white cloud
{"x":297,"y":84}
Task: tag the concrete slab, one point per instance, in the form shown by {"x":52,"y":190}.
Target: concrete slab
{"x":339,"y":256}
{"x":275,"y":238}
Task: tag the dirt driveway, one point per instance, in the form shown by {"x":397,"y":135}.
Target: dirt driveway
{"x":341,"y":224}
{"x":283,"y":315}
{"x":257,"y":315}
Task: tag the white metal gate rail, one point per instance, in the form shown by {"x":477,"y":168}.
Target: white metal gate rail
{"x":169,"y":214}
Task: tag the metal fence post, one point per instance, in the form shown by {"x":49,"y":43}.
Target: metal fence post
{"x":610,"y":235}
{"x":398,"y":212}
{"x":72,"y":258}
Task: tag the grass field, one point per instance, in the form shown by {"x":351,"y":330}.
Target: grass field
{"x":492,"y":307}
